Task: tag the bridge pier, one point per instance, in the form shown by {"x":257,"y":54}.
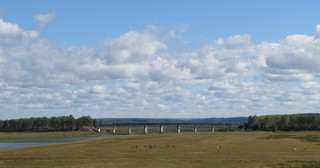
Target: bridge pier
{"x":113,"y":130}
{"x":212,"y":128}
{"x":161,"y":129}
{"x":129,"y":130}
{"x":145,"y":130}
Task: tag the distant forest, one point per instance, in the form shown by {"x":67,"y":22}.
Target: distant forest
{"x":293,"y":122}
{"x":168,"y":121}
{"x":62,"y":123}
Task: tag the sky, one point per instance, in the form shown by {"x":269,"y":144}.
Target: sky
{"x":159,"y":59}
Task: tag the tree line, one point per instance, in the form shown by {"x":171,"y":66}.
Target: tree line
{"x":293,"y":122}
{"x":61,"y":123}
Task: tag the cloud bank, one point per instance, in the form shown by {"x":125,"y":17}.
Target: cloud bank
{"x":141,"y":74}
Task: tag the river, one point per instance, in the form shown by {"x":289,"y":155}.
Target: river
{"x":15,"y":145}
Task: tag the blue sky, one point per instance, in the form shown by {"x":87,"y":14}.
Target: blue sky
{"x":87,"y":23}
{"x":165,"y":59}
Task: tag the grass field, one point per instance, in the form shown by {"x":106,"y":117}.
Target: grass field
{"x":204,"y":149}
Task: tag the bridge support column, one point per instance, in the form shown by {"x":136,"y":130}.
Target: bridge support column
{"x":178,"y":129}
{"x":161,"y":129}
{"x":129,"y":130}
{"x":113,"y":130}
{"x":145,"y":130}
{"x":212,"y":128}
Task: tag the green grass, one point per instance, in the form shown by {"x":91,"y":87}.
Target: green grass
{"x":281,"y":136}
{"x":171,"y":150}
{"x":299,"y":164}
{"x":309,"y":137}
{"x":39,"y":136}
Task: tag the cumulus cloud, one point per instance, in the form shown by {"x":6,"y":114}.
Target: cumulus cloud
{"x":215,"y":61}
{"x":234,"y":40}
{"x":317,"y":32}
{"x":12,"y":34}
{"x":139,"y":74}
{"x":132,"y":47}
{"x":99,"y":89}
{"x":296,"y":58}
{"x":44,"y":19}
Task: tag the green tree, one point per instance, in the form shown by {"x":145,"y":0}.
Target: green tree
{"x":253,"y":123}
{"x":84,"y":121}
{"x":1,"y":125}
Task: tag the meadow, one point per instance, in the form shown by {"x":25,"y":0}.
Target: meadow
{"x":204,"y":149}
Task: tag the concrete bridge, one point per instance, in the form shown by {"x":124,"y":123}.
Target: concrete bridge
{"x":172,"y":127}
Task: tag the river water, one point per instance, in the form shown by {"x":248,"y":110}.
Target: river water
{"x":15,"y":145}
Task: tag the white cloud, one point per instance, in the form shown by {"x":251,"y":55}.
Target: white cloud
{"x":12,"y":34}
{"x":139,"y":74}
{"x":135,"y":86}
{"x":168,"y":70}
{"x":288,"y":75}
{"x":234,"y":40}
{"x":9,"y":28}
{"x":132,"y":47}
{"x":295,"y":58}
{"x":44,"y":19}
{"x":99,"y":89}
{"x":317,"y":32}
{"x":310,"y":85}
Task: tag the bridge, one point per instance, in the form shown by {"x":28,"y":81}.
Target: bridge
{"x":161,"y":128}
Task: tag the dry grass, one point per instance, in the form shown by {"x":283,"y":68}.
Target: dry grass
{"x":228,"y":149}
